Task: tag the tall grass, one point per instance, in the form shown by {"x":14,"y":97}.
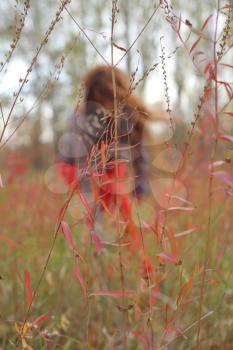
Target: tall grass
{"x":65,"y":287}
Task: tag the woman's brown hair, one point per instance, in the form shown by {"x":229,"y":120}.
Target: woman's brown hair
{"x":98,"y":87}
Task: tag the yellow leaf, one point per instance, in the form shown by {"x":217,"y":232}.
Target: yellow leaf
{"x":20,"y":330}
{"x":25,"y":345}
{"x":64,"y":322}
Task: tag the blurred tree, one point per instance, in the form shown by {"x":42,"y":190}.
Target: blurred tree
{"x":67,"y":40}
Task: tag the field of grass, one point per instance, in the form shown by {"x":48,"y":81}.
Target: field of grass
{"x":94,"y":295}
{"x":161,"y":278}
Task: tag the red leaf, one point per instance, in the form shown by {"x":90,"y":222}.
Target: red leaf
{"x":27,"y":288}
{"x":200,"y":37}
{"x":181,"y":208}
{"x":80,"y":278}
{"x":186,"y":232}
{"x":143,"y":339}
{"x":169,"y":257}
{"x":216,"y":164}
{"x":39,"y":320}
{"x":225,"y":137}
{"x":224,"y":176}
{"x":178,"y":197}
{"x":195,"y":44}
{"x":228,"y":113}
{"x":115,"y":244}
{"x":113,"y":293}
{"x":97,"y":241}
{"x":227,"y":87}
{"x":206,"y":21}
{"x":85,"y":204}
{"x":226,"y":65}
{"x":209,"y":68}
{"x":10,"y":242}
{"x":197,"y":54}
{"x":148,"y":266}
{"x":186,"y":286}
{"x":67,"y":233}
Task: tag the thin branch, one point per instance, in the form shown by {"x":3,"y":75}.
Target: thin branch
{"x":139,"y":34}
{"x":86,"y":36}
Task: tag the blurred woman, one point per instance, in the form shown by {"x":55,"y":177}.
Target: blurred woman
{"x":102,"y":142}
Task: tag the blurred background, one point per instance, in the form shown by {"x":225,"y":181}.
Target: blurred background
{"x":35,"y":108}
{"x":48,"y":99}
